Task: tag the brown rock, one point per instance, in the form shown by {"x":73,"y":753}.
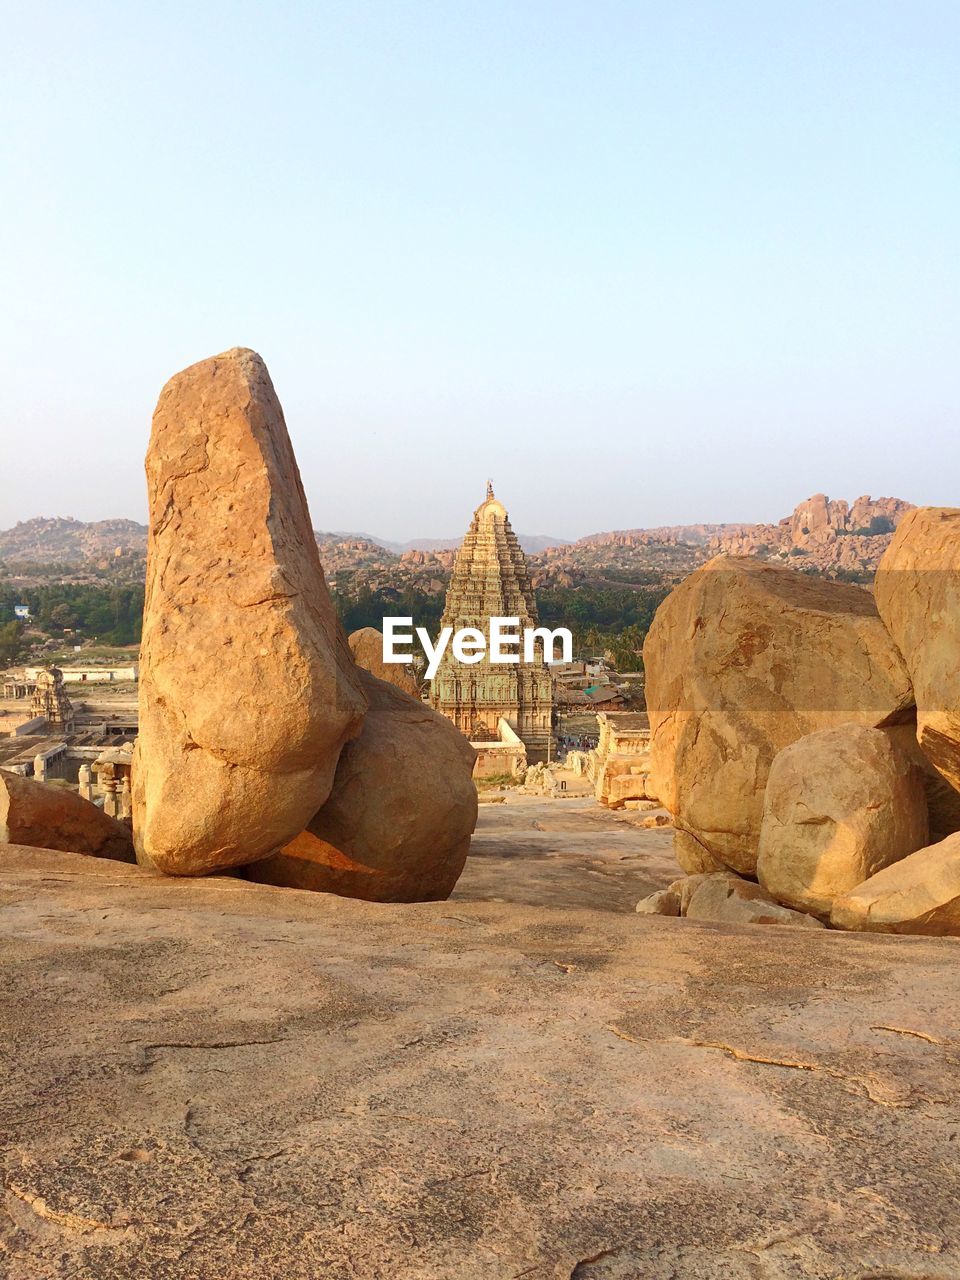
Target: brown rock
{"x":839,"y":805}
{"x":49,"y":817}
{"x":918,"y":595}
{"x":742,"y":659}
{"x":398,"y":823}
{"x":693,"y":855}
{"x":484,"y":1087}
{"x":918,"y":894}
{"x":726,"y":899}
{"x":943,"y":802}
{"x":686,"y":886}
{"x":816,"y":514}
{"x":366,"y":645}
{"x":665,"y":902}
{"x":247,"y":687}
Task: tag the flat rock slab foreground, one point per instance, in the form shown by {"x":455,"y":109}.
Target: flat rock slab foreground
{"x":213,"y":1079}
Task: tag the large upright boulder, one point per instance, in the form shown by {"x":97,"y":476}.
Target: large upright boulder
{"x":918,"y":894}
{"x":742,"y":659}
{"x":247,"y":687}
{"x":398,"y":823}
{"x":918,"y":595}
{"x":839,"y":806}
{"x":45,"y":816}
{"x":366,"y":645}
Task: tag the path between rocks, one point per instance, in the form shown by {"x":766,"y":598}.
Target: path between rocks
{"x":565,"y":853}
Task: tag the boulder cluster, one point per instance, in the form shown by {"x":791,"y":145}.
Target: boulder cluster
{"x":805,"y":737}
{"x":264,"y":744}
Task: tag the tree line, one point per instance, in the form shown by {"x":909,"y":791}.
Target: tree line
{"x":602,"y":620}
{"x":111,"y":614}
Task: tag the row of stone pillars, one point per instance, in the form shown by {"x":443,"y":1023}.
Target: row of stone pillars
{"x":116,"y":792}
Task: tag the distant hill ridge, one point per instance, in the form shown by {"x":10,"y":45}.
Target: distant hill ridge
{"x":828,"y":531}
{"x":62,"y":539}
{"x":66,"y":540}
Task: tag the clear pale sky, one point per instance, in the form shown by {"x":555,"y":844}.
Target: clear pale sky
{"x":642,"y":263}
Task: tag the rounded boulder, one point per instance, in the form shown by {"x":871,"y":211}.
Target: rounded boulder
{"x":839,"y":806}
{"x":398,"y":822}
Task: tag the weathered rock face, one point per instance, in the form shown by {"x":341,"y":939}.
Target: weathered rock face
{"x":840,"y":805}
{"x":366,"y":645}
{"x":398,"y":823}
{"x":828,"y":533}
{"x":354,"y":1072}
{"x":918,"y":595}
{"x":726,"y":899}
{"x":943,"y":802}
{"x":919,"y":894}
{"x":742,"y":659}
{"x":247,"y":687}
{"x":49,"y":817}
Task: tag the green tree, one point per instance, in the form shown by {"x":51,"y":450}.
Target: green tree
{"x":11,"y":642}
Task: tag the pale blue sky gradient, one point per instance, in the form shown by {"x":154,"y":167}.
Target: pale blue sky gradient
{"x":642,"y":263}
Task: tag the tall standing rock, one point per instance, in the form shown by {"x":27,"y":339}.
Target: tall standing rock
{"x":247,"y":687}
{"x":742,"y":659}
{"x":398,"y":823}
{"x":918,"y":595}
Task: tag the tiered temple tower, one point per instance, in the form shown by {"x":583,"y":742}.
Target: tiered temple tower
{"x":491,"y":579}
{"x":50,"y":699}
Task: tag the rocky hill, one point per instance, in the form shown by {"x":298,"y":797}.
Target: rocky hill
{"x":826,"y":535}
{"x":692,"y":534}
{"x":64,"y":540}
{"x":831,"y":535}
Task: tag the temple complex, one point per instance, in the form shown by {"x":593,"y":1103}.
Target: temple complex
{"x":490,"y":579}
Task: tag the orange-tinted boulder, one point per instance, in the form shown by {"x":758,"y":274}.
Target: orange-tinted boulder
{"x":398,"y":823}
{"x":46,"y":816}
{"x":366,"y":645}
{"x":247,"y":687}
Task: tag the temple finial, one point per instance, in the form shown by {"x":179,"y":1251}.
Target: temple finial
{"x":489,"y":489}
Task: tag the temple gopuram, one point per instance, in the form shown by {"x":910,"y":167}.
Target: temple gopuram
{"x":505,"y":710}
{"x":50,"y":699}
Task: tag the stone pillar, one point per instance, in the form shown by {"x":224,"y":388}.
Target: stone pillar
{"x":40,"y":768}
{"x":110,"y":799}
{"x":126,"y":803}
{"x":85,"y":779}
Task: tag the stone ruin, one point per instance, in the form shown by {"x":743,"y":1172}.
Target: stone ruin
{"x":50,"y":699}
{"x":619,"y":766}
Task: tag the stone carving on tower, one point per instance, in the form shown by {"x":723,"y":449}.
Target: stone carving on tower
{"x":490,"y":579}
